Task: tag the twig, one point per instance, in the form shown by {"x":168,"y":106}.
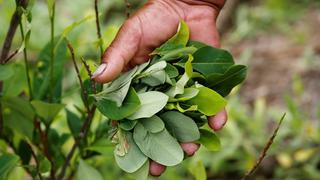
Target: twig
{"x":1,"y":113}
{"x":96,"y":9}
{"x":93,"y":83}
{"x":36,"y":160}
{"x":52,"y":17}
{"x":86,"y":125}
{"x":45,"y":143}
{"x":15,"y":20}
{"x":15,"y":52}
{"x":83,"y":89}
{"x":265,"y":149}
{"x":128,"y":7}
{"x":25,"y":55}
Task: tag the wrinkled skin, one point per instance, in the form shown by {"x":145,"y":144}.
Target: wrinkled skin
{"x":150,"y":27}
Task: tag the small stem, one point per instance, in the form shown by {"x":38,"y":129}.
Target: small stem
{"x":96,"y":8}
{"x":83,"y":89}
{"x":265,"y":149}
{"x":128,"y":7}
{"x":93,"y":83}
{"x":36,"y":160}
{"x":52,"y":17}
{"x":1,"y":113}
{"x":86,"y":125}
{"x":25,"y":55}
{"x":14,"y":22}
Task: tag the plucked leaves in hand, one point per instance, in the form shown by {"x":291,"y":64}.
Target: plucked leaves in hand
{"x":133,"y":159}
{"x":223,"y":83}
{"x":160,"y":147}
{"x":127,"y":124}
{"x":180,"y":39}
{"x":117,"y":90}
{"x":153,"y":124}
{"x":209,"y":140}
{"x":110,"y":109}
{"x":183,"y":84}
{"x":208,"y":101}
{"x":151,"y":103}
{"x":181,"y":126}
{"x":208,"y":60}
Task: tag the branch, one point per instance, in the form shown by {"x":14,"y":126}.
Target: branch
{"x":86,"y":125}
{"x":15,"y":20}
{"x":36,"y":160}
{"x":83,"y":89}
{"x":128,"y":7}
{"x":93,"y":83}
{"x":96,"y":9}
{"x":265,"y":149}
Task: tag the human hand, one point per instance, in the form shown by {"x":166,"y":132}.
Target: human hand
{"x":150,"y":27}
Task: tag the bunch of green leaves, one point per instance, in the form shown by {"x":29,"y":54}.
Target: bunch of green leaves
{"x":166,"y":100}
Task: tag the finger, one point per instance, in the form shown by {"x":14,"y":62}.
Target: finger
{"x":189,"y":148}
{"x":218,"y":121}
{"x":156,"y":169}
{"x":122,"y":49}
{"x":204,"y":29}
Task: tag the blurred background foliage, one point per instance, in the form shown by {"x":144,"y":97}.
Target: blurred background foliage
{"x":280,"y":42}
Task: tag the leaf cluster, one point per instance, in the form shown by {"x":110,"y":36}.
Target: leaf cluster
{"x":166,"y":101}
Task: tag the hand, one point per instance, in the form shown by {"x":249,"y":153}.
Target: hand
{"x":150,"y":27}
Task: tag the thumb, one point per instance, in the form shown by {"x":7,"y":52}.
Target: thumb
{"x":120,"y":52}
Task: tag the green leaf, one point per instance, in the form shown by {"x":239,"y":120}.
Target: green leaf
{"x":208,"y":60}
{"x":198,"y":170}
{"x":8,"y":162}
{"x":143,"y":172}
{"x":160,"y":147}
{"x":209,"y":140}
{"x":6,"y":71}
{"x":187,"y":94}
{"x":196,"y":44}
{"x":153,"y":124}
{"x":127,"y":125}
{"x":134,"y":159}
{"x":155,"y":68}
{"x":129,"y":106}
{"x":18,"y":115}
{"x":182,"y":36}
{"x":47,"y":111}
{"x":178,"y":53}
{"x":15,"y":85}
{"x":223,"y":84}
{"x":117,"y":90}
{"x":42,"y":79}
{"x":155,"y":79}
{"x":181,"y":126}
{"x":85,"y":172}
{"x":171,"y":71}
{"x":181,"y":108}
{"x":182,"y":82}
{"x":180,"y":39}
{"x":74,"y":123}
{"x":151,"y":103}
{"x":44,"y":164}
{"x":208,"y":101}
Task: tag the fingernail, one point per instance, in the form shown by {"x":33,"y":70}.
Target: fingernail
{"x":99,"y":71}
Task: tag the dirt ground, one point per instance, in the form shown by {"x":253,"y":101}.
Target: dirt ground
{"x":276,"y":59}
